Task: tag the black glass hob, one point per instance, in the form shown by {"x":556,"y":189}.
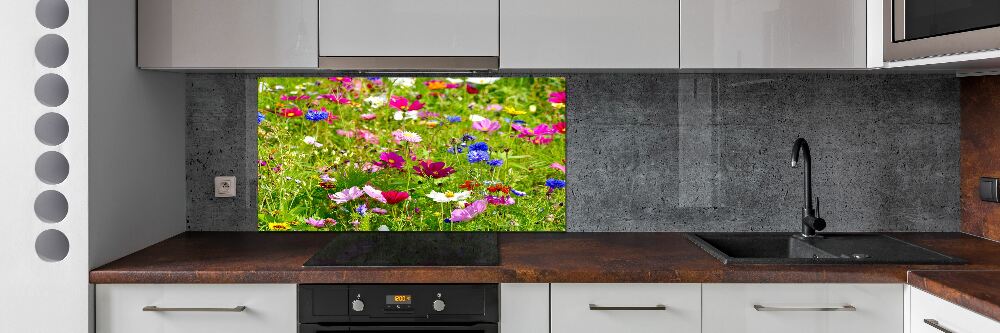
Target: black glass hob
{"x":409,"y":249}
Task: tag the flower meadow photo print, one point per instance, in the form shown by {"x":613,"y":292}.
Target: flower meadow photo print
{"x":411,"y":154}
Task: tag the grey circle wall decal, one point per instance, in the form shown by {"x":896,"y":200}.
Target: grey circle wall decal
{"x":51,"y":51}
{"x":52,"y":13}
{"x":52,"y":245}
{"x":51,"y":90}
{"x":51,"y":206}
{"x":51,"y":129}
{"x":52,"y":167}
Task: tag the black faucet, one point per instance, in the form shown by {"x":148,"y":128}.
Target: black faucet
{"x":810,"y":221}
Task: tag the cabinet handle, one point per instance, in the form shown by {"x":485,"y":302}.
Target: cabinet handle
{"x":759,"y":307}
{"x":596,"y":307}
{"x":159,"y":309}
{"x":935,"y":324}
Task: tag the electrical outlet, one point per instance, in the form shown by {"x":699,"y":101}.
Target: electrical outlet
{"x":225,"y":186}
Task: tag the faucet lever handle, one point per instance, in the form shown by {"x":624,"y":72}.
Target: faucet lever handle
{"x":817,"y":206}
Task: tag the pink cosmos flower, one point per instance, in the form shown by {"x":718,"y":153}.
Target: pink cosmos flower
{"x":374,"y":193}
{"x":371,"y":167}
{"x":347,"y":195}
{"x":403,"y":104}
{"x":499,"y":200}
{"x":379,"y":211}
{"x":557,"y":97}
{"x":433,"y":169}
{"x":392,"y":160}
{"x":400,"y":135}
{"x":557,"y":166}
{"x":368,"y":136}
{"x":335,"y":98}
{"x":367,"y":116}
{"x":316,"y":223}
{"x":486,"y":125}
{"x":469,"y":212}
{"x":541,"y":134}
{"x":345,"y":133}
{"x":494,"y":107}
{"x":294,"y":98}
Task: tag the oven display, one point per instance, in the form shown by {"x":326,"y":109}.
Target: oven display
{"x":398,"y":299}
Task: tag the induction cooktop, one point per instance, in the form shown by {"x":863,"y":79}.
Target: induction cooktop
{"x":409,"y":249}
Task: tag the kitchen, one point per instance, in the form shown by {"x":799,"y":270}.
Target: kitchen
{"x":676,"y":208}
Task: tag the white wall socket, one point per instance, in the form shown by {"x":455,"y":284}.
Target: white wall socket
{"x":225,"y":186}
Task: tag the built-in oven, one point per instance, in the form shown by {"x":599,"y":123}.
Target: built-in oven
{"x":916,"y":29}
{"x":376,"y":308}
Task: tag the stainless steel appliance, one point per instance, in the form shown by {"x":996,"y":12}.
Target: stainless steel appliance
{"x":916,"y":29}
{"x":372,"y":308}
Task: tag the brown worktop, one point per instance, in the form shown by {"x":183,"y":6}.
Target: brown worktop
{"x":252,"y":257}
{"x":978,"y":291}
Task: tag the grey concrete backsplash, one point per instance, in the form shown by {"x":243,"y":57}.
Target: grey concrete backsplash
{"x":682,"y":152}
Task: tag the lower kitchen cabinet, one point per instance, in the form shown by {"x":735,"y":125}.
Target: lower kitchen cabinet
{"x":634,"y":308}
{"x":180,"y":308}
{"x":524,"y":308}
{"x":930,"y":314}
{"x":802,"y":308}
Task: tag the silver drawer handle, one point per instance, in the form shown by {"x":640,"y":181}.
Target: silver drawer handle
{"x":159,"y":309}
{"x":596,"y":307}
{"x":759,"y":307}
{"x":935,"y":324}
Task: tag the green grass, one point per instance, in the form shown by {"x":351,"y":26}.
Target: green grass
{"x":295,"y":192}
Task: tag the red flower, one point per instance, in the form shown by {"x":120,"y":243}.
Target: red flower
{"x":393,"y":197}
{"x":291,"y":112}
{"x":499,"y":188}
{"x":471,"y":89}
{"x":469,"y":185}
{"x":433,"y":169}
{"x":560,"y":127}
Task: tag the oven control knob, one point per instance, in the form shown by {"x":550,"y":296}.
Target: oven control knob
{"x":438,"y":305}
{"x":358,"y":305}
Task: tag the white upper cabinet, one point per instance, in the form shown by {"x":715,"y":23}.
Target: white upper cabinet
{"x":408,"y":28}
{"x":780,"y":34}
{"x":227,"y":34}
{"x":589,"y":34}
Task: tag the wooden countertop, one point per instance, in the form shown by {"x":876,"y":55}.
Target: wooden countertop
{"x":978,"y":291}
{"x":251,"y":257}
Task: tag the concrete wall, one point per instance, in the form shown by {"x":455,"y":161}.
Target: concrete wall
{"x":683,"y":152}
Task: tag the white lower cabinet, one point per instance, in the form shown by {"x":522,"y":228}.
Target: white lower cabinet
{"x":195,"y":308}
{"x":524,"y":308}
{"x":802,"y":308}
{"x":930,"y":314}
{"x":634,"y":308}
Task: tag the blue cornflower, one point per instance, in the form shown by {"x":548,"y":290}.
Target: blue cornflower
{"x":317,"y":115}
{"x":553,"y":183}
{"x":518,"y":121}
{"x":476,"y":156}
{"x":479,"y":146}
{"x":454,"y":119}
{"x":260,"y":117}
{"x":518,"y":193}
{"x":362,"y":209}
{"x":455,"y":150}
{"x":495,"y":163}
{"x":468,"y":137}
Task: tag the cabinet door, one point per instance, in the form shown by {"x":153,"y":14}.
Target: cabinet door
{"x":408,"y":28}
{"x":774,"y":34}
{"x":189,"y":308}
{"x":927,"y":310}
{"x":589,"y":34}
{"x":524,"y":308}
{"x":633,"y":308}
{"x":227,"y":33}
{"x":802,"y":308}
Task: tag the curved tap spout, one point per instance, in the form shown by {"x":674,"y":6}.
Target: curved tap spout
{"x":810,"y":222}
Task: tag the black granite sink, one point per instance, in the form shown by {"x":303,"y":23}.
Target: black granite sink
{"x":834,"y":248}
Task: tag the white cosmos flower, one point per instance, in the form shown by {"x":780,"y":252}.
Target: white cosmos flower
{"x":376,"y":101}
{"x":482,"y":80}
{"x":403,"y":81}
{"x":448,"y":196}
{"x":312,"y":141}
{"x":279,"y":87}
{"x":408,"y":115}
{"x":454,"y":80}
{"x":383,"y":228}
{"x":476,"y":118}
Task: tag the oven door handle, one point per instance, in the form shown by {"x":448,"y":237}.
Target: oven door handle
{"x":484,"y":328}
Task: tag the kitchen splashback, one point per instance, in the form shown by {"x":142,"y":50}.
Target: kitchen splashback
{"x":682,"y":152}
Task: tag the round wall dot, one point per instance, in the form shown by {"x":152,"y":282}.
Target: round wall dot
{"x":51,"y":51}
{"x":52,"y":245}
{"x":51,"y":90}
{"x":52,"y":13}
{"x":52,"y":168}
{"x":51,"y":129}
{"x":51,"y":206}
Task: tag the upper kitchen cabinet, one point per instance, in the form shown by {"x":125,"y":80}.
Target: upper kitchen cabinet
{"x":219,"y":34}
{"x":589,"y":34}
{"x":781,"y":34}
{"x":406,"y":34}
